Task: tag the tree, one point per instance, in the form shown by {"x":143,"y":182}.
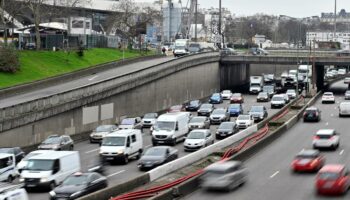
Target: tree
{"x":8,"y":11}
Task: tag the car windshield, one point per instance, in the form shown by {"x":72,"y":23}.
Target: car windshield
{"x":268,"y":88}
{"x":327,"y":94}
{"x":128,"y":121}
{"x":161,"y":125}
{"x":194,"y":103}
{"x":31,"y":154}
{"x":257,"y":109}
{"x":243,"y":117}
{"x":291,"y":91}
{"x":206,"y":106}
{"x":235,"y":106}
{"x":76,"y":180}
{"x":52,"y":140}
{"x":306,"y":156}
{"x":196,"y":135}
{"x":324,"y":136}
{"x":262,"y":94}
{"x":180,"y":47}
{"x":197,"y":120}
{"x":150,"y":116}
{"x":39,"y":165}
{"x":6,"y":150}
{"x":216,"y":95}
{"x":219,"y":112}
{"x":226,"y":92}
{"x":155,"y":152}
{"x":329,"y":175}
{"x":113,"y":141}
{"x":226,"y":126}
{"x":103,"y":128}
{"x":277,"y":99}
{"x":236,"y":95}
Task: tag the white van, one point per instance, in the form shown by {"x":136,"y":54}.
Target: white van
{"x":170,"y":127}
{"x":344,"y":109}
{"x":50,"y":169}
{"x":23,"y":163}
{"x":8,"y":170}
{"x":13,"y":192}
{"x":122,"y":145}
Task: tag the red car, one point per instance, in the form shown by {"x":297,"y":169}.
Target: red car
{"x":332,"y":179}
{"x":177,"y":108}
{"x":308,"y":161}
{"x":237,"y":98}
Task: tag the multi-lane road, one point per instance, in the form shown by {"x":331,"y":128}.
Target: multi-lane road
{"x":269,"y":169}
{"x":120,"y":173}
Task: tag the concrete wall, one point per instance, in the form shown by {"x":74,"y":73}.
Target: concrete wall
{"x":257,"y":70}
{"x":234,"y":76}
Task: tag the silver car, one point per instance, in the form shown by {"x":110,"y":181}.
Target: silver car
{"x":219,"y":115}
{"x":197,"y":139}
{"x":347,"y":95}
{"x":224,"y":176}
{"x":101,"y":131}
{"x":199,"y":122}
{"x":291,"y":93}
{"x":344,"y":109}
{"x":326,"y":138}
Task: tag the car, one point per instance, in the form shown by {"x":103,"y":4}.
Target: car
{"x":194,"y":48}
{"x":269,"y":79}
{"x":226,"y":129}
{"x":215,"y":98}
{"x":237,"y":98}
{"x":258,"y":112}
{"x":244,"y":121}
{"x":197,"y":139}
{"x":329,"y":75}
{"x":227,"y":51}
{"x":347,"y":95}
{"x":308,"y":161}
{"x":177,"y":108}
{"x":334,"y":72}
{"x":284,"y":74}
{"x":258,"y":51}
{"x":328,"y":97}
{"x":344,"y":109}
{"x":199,"y":122}
{"x":346,"y":80}
{"x":226,"y":176}
{"x":57,"y":143}
{"x":226,"y":94}
{"x":332,"y":179}
{"x":326,"y":138}
{"x":269,"y":89}
{"x":235,"y":109}
{"x":149,"y":120}
{"x":312,"y":114}
{"x":291,"y":93}
{"x":193,"y":105}
{"x":13,"y":192}
{"x":290,"y":81}
{"x":17,"y":151}
{"x":131,"y":123}
{"x":205,"y":110}
{"x":23,"y":163}
{"x":78,"y":185}
{"x":286,"y":98}
{"x":342,"y":71}
{"x":101,"y":131}
{"x":156,"y":156}
{"x":262,"y":97}
{"x":219,"y":115}
{"x":278,"y":101}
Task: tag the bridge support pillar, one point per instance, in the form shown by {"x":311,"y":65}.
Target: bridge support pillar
{"x":234,"y":76}
{"x":319,"y":76}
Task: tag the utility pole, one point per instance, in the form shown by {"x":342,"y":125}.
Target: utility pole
{"x":195,"y":20}
{"x":219,"y":31}
{"x":335,"y":19}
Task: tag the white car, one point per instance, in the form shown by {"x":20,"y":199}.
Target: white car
{"x":244,"y":121}
{"x":197,"y":139}
{"x":341,"y":71}
{"x":101,"y":131}
{"x":13,"y":192}
{"x":326,"y":138}
{"x":226,"y":94}
{"x":328,"y":97}
{"x":329,"y":75}
{"x":291,"y":93}
{"x":149,"y":119}
{"x":344,"y":109}
{"x":284,"y":75}
{"x":278,"y":101}
{"x":346,"y":80}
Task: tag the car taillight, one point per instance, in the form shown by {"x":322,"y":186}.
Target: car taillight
{"x":316,"y":114}
{"x":331,"y":138}
{"x":316,"y":137}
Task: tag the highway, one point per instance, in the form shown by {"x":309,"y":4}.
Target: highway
{"x":120,"y":173}
{"x":270,"y":176}
{"x":91,"y":79}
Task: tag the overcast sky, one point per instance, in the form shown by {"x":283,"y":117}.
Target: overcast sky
{"x":293,"y":8}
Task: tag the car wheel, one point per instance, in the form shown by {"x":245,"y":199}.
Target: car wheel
{"x":10,"y":179}
{"x":52,"y":185}
{"x":126,"y":159}
{"x":212,"y":142}
{"x":71,"y":148}
{"x":174,"y":142}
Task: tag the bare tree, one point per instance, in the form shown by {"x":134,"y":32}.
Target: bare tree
{"x":8,"y":11}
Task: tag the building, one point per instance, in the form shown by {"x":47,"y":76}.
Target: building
{"x":212,"y":23}
{"x":259,"y":39}
{"x":342,"y":17}
{"x":172,"y":21}
{"x":315,"y":37}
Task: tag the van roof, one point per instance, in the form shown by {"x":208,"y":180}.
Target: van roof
{"x":171,"y":116}
{"x":5,"y":155}
{"x":123,"y":132}
{"x":52,"y":155}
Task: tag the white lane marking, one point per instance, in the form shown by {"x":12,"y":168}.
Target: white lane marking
{"x":92,"y":150}
{"x":116,"y":173}
{"x":341,"y":152}
{"x":327,"y":124}
{"x":273,"y":175}
{"x":92,"y":78}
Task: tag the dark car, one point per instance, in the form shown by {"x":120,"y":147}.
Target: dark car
{"x":205,"y":109}
{"x":312,"y":114}
{"x":17,"y":151}
{"x":237,"y":98}
{"x":270,"y":89}
{"x":156,"y":156}
{"x":258,"y":112}
{"x":216,"y":98}
{"x":57,"y":142}
{"x":226,"y":129}
{"x":262,"y":97}
{"x":235,"y":109}
{"x":78,"y":185}
{"x":193,"y":105}
{"x":269,"y":79}
{"x":219,"y":115}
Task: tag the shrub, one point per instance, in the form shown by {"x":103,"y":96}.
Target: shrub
{"x":9,"y":59}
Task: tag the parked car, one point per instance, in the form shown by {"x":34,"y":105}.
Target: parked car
{"x":57,"y":142}
{"x":199,"y":122}
{"x":17,"y":151}
{"x":308,"y":161}
{"x":291,"y":93}
{"x":333,"y":179}
{"x":326,"y":138}
{"x":205,"y":110}
{"x":224,"y":176}
{"x":193,"y":105}
{"x":131,"y":123}
{"x":156,"y":156}
{"x":149,"y":120}
{"x":226,"y":129}
{"x":237,"y":98}
{"x":219,"y":115}
{"x":347,"y":95}
{"x":244,"y":121}
{"x":235,"y":109}
{"x":78,"y":185}
{"x":258,"y":112}
{"x":215,"y":98}
{"x":344,"y":109}
{"x":312,"y":114}
{"x":278,"y":101}
{"x":262,"y":97}
{"x":226,"y":94}
{"x":197,"y":139}
{"x":101,"y":131}
{"x":328,"y":97}
{"x":177,"y":108}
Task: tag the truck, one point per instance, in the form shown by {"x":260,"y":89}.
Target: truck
{"x":256,"y":83}
{"x":181,"y":47}
{"x":305,"y":70}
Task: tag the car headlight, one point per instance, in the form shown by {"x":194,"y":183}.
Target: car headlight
{"x":75,"y":194}
{"x":21,"y":180}
{"x":42,"y":180}
{"x":120,"y":151}
{"x":52,"y":193}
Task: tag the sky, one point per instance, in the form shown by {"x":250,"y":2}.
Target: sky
{"x":293,"y":8}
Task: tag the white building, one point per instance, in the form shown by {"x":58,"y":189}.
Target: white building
{"x":259,"y":39}
{"x":342,"y":37}
{"x":171,"y":20}
{"x":342,"y":17}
